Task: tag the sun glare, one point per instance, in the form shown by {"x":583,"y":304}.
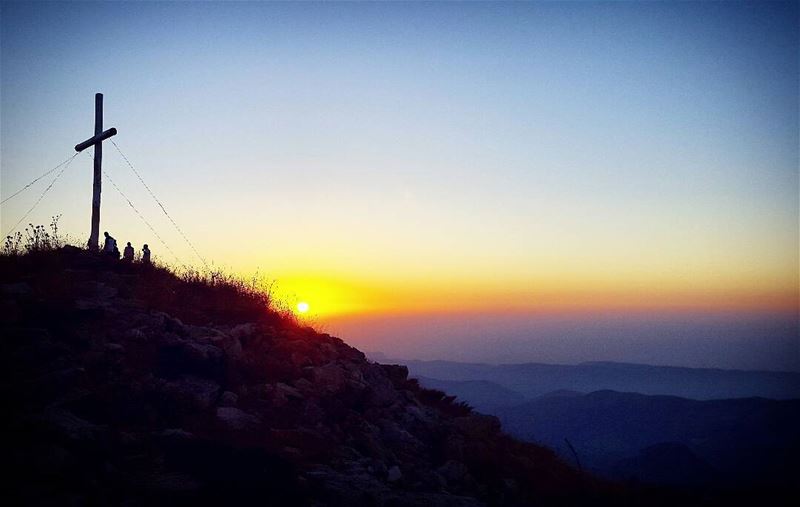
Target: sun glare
{"x":302,"y":307}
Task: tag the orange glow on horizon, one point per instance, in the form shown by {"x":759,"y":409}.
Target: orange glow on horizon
{"x":331,"y":297}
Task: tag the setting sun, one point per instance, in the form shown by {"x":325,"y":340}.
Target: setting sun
{"x":302,"y":307}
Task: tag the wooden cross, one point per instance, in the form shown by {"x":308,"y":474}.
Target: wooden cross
{"x":97,"y":142}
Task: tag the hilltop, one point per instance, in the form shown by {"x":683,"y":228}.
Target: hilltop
{"x":130,"y":384}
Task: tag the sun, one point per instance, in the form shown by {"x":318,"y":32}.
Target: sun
{"x":302,"y":307}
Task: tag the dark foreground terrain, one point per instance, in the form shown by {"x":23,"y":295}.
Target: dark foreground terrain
{"x":126,"y":384}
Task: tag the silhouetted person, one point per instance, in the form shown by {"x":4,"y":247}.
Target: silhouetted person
{"x":110,"y":246}
{"x":127,"y":254}
{"x":145,"y":254}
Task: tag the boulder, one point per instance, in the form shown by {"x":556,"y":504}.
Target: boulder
{"x":95,"y":290}
{"x":235,"y":419}
{"x":174,"y":325}
{"x":69,"y":425}
{"x":397,"y":373}
{"x":228,"y":399}
{"x":394,"y":474}
{"x":9,"y":311}
{"x":114,"y":348}
{"x":244,"y":331}
{"x":170,"y":483}
{"x":136,"y":335}
{"x":19,"y":290}
{"x":174,"y":435}
{"x":192,"y":392}
{"x":289,"y":391}
{"x":453,"y":471}
{"x":184,"y":356}
{"x":204,"y":334}
{"x":204,"y":358}
{"x":329,"y":378}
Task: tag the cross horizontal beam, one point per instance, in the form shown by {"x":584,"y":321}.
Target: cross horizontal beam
{"x":96,"y":139}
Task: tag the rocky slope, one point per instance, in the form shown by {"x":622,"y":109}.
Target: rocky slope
{"x":127,"y":385}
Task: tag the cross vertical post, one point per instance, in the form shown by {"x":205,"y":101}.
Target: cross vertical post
{"x":97,"y":142}
{"x":98,"y":172}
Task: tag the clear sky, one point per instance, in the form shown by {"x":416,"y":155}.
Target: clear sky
{"x":435,"y":161}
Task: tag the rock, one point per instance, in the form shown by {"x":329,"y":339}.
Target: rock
{"x":174,"y":325}
{"x":394,"y":474}
{"x":193,"y":392}
{"x":232,"y":348}
{"x":279,"y":394}
{"x":381,"y":395}
{"x":9,"y":311}
{"x":289,"y":391}
{"x":312,"y":443}
{"x":228,"y":399}
{"x":304,"y":386}
{"x":300,"y":360}
{"x":93,"y":290}
{"x":136,"y":335}
{"x":453,"y":471}
{"x":175,"y":435}
{"x":171,"y":483}
{"x":397,"y":373}
{"x":51,"y":460}
{"x":16,"y":290}
{"x":204,"y":334}
{"x":417,"y":414}
{"x":71,"y":426}
{"x":329,"y":378}
{"x":114,"y":348}
{"x":243,"y":331}
{"x":379,"y":467}
{"x":235,"y":419}
{"x":60,"y":385}
{"x":200,"y":359}
{"x":394,"y":435}
{"x":204,"y":358}
{"x":91,"y":304}
{"x":312,"y":413}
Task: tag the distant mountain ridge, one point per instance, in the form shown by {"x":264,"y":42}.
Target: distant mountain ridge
{"x":535,"y":379}
{"x":666,"y":439}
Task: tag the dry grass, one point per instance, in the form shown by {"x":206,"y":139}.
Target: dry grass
{"x":202,"y":297}
{"x":439,"y":400}
{"x":194,"y":296}
{"x":35,"y":238}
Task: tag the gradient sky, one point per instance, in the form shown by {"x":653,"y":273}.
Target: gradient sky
{"x":419,"y":161}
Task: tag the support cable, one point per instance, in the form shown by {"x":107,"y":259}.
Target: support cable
{"x":160,"y":205}
{"x":144,"y":219}
{"x":152,"y":229}
{"x":64,"y":168}
{"x":67,"y":160}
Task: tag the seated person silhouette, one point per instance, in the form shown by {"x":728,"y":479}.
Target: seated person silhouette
{"x":127,"y":254}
